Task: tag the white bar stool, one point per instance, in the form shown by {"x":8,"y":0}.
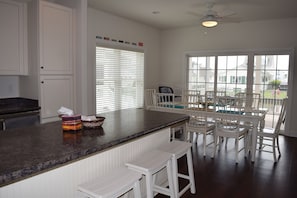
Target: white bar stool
{"x":178,"y":149}
{"x":151,"y":163}
{"x":114,"y":184}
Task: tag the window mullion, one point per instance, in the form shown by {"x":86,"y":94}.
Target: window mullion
{"x":250,"y":72}
{"x":216,"y":74}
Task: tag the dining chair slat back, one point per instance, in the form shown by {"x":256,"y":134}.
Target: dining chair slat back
{"x":200,"y":125}
{"x":249,"y":101}
{"x":270,"y":136}
{"x":191,"y":98}
{"x":282,"y":116}
{"x":210,"y":98}
{"x":150,"y":97}
{"x":164,"y":99}
{"x":230,"y":127}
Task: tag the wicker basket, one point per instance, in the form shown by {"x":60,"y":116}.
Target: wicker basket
{"x":94,"y":123}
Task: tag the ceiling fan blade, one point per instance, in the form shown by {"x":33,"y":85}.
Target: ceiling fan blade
{"x":220,"y":13}
{"x":195,"y":14}
{"x":226,"y":13}
{"x":229,"y":20}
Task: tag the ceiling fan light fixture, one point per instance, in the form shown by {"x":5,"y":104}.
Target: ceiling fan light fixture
{"x":209,"y":22}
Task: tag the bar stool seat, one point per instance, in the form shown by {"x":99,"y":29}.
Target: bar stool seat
{"x":149,"y":164}
{"x":178,"y":149}
{"x":114,"y":184}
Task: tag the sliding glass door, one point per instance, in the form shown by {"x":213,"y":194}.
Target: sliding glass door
{"x":271,"y":74}
{"x":264,"y":74}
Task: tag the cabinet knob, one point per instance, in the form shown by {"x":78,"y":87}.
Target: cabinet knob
{"x":42,"y":82}
{"x":42,"y":67}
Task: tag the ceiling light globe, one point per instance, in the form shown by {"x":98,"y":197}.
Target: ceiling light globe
{"x":209,"y":23}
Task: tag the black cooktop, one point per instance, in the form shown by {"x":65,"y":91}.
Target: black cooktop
{"x":17,"y":105}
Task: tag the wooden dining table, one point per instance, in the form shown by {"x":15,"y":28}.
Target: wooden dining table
{"x":256,"y":119}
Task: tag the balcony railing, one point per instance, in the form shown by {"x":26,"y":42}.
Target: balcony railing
{"x":274,"y":107}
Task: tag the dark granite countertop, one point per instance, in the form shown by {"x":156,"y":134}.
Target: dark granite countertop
{"x":10,"y":106}
{"x":32,"y":150}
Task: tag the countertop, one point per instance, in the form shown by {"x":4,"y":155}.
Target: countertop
{"x":28,"y":151}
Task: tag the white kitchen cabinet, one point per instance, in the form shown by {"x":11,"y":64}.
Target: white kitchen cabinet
{"x":13,"y":38}
{"x":55,"y":39}
{"x":56,"y":72}
{"x":56,"y":91}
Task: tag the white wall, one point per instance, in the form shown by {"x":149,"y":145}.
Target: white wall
{"x":106,"y":25}
{"x":228,"y":36}
{"x":9,"y":86}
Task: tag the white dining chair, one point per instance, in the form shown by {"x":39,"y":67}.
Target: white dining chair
{"x":200,"y":125}
{"x":191,"y":98}
{"x":170,"y":90}
{"x":211,"y":97}
{"x":230,"y":127}
{"x":150,"y":97}
{"x":249,"y":101}
{"x":165,"y":100}
{"x":256,"y":100}
{"x":270,"y":136}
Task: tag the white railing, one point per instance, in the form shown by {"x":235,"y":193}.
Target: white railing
{"x":273,"y":105}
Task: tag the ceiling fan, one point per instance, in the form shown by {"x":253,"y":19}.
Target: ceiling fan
{"x":211,"y":18}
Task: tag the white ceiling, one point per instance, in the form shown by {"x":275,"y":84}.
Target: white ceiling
{"x":181,"y":13}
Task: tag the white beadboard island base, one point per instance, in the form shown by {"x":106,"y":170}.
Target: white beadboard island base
{"x":62,"y":182}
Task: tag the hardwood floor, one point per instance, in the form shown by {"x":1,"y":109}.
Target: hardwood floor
{"x":221,"y":177}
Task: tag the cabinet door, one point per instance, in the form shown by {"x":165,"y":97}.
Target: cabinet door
{"x":56,"y":91}
{"x":55,"y":39}
{"x":13,"y":41}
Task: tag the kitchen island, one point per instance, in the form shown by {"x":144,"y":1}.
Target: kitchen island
{"x":44,"y":161}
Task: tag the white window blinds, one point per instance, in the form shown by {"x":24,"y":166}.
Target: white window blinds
{"x":119,"y":79}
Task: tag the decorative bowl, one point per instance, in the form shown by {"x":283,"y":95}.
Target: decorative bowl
{"x":94,"y":123}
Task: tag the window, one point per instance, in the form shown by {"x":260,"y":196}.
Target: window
{"x":201,"y":73}
{"x":223,"y":73}
{"x":250,"y":72}
{"x":119,"y":79}
{"x":270,"y":78}
{"x":234,"y":70}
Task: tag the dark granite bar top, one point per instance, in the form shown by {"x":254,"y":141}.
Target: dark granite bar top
{"x":28,"y":151}
{"x":10,"y":106}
